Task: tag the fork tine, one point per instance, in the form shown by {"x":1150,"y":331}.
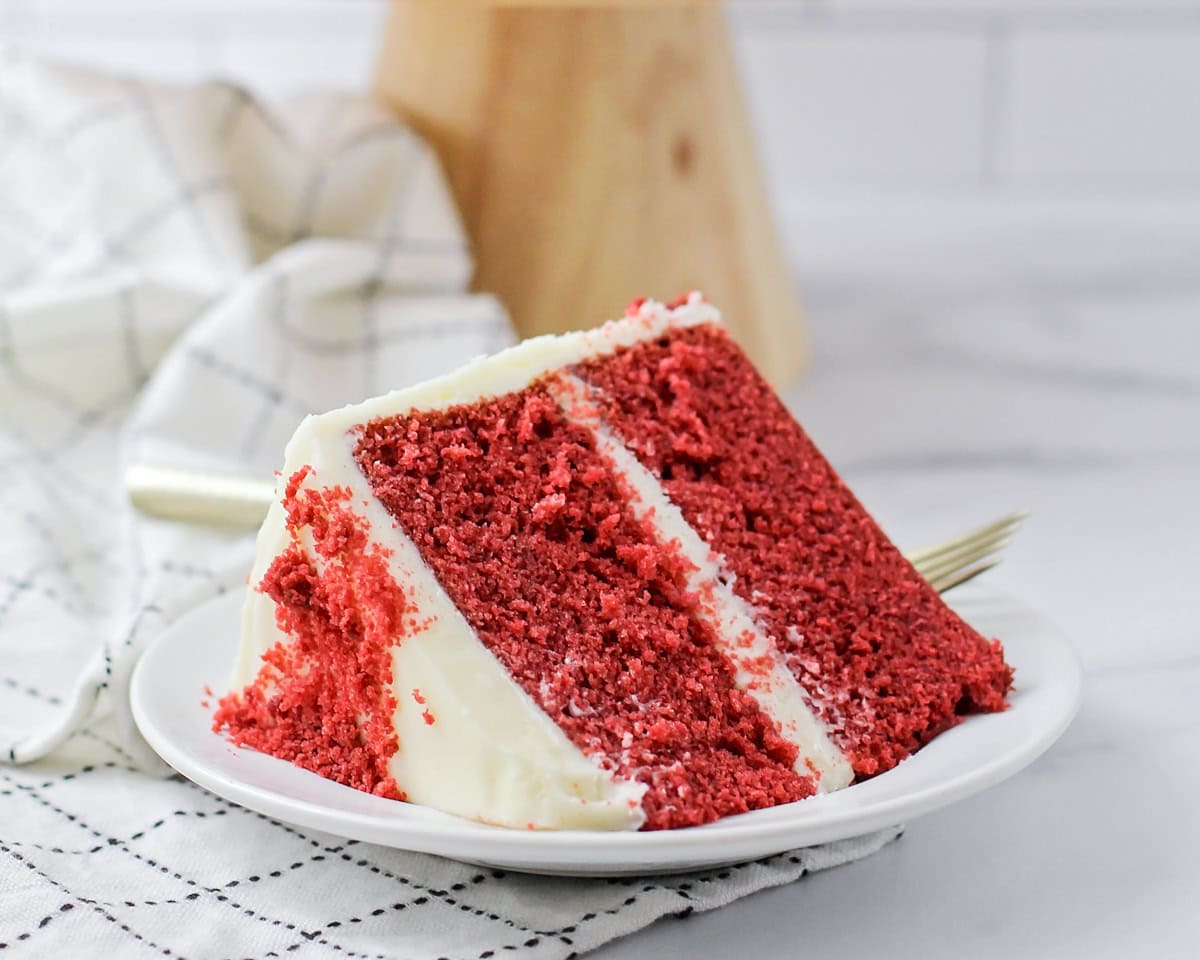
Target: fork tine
{"x":941,"y":585}
{"x":997,"y":528}
{"x":963,"y":551}
{"x":968,"y":555}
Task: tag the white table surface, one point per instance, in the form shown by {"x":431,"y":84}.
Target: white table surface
{"x":1055,"y":367}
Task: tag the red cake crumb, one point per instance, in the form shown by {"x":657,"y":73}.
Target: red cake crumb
{"x":531,"y":535}
{"x":342,"y":618}
{"x":428,"y":717}
{"x":634,"y":306}
{"x":886,"y":663}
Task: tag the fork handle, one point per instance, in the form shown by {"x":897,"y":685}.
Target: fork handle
{"x":213,"y":499}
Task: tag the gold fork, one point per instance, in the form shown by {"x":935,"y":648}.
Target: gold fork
{"x":953,"y":562}
{"x":224,"y":500}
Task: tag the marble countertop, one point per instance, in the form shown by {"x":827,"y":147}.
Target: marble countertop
{"x":1003,"y":373}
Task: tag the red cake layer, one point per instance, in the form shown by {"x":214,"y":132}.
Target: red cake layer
{"x":342,"y":620}
{"x":531,"y":536}
{"x":887,"y":665}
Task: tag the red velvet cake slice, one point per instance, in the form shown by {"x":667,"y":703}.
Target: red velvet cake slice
{"x":599,"y":581}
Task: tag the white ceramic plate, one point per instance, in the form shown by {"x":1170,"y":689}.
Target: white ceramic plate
{"x":198,"y":650}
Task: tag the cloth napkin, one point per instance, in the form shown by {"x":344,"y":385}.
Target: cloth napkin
{"x":184,"y":274}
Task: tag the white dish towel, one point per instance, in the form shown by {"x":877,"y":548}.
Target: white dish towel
{"x":184,"y":274}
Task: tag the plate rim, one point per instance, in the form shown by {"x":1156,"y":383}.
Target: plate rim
{"x":549,"y":851}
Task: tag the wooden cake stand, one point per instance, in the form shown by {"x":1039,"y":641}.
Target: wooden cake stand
{"x":597,"y":152}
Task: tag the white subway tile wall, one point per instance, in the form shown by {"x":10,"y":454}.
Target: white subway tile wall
{"x":870,"y":106}
{"x":1118,"y":106}
{"x":981,"y":96}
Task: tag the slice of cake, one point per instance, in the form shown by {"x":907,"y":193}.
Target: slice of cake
{"x":601,"y":581}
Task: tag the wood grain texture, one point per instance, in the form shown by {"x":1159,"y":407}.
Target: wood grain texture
{"x":597,"y":153}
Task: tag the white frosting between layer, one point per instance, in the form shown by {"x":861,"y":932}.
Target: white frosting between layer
{"x":759,"y":668}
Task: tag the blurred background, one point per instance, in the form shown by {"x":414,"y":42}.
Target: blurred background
{"x":898,"y":136}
